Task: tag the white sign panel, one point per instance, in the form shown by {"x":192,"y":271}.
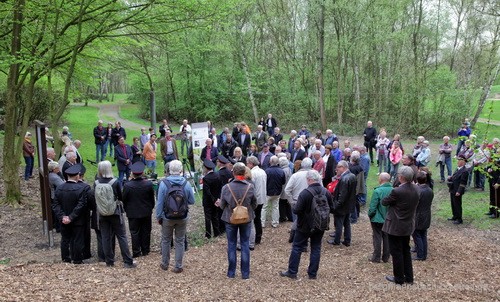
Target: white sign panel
{"x":199,"y":133}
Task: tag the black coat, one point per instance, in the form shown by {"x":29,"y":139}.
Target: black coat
{"x":423,"y":213}
{"x":275,"y":180}
{"x":98,"y":134}
{"x":303,"y":206}
{"x":244,"y":143}
{"x":264,"y":164}
{"x":458,"y":181}
{"x":71,"y":200}
{"x":65,"y":166}
{"x":225,"y":175}
{"x":344,"y":196}
{"x":277,"y":138}
{"x":301,"y":154}
{"x":138,"y":198}
{"x":370,"y":135}
{"x":402,"y":202}
{"x":213,"y":152}
{"x":211,"y":188}
{"x":121,"y":157}
{"x":116,"y":134}
{"x":227,"y":149}
{"x":331,"y":164}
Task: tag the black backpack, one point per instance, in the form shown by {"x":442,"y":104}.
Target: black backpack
{"x":175,"y":205}
{"x":320,"y":211}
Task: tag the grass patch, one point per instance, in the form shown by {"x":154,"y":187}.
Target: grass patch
{"x":131,"y":112}
{"x":491,"y":110}
{"x":494,"y":89}
{"x":486,"y":131}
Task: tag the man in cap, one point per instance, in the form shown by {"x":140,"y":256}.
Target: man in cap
{"x":69,"y":207}
{"x":139,"y":201}
{"x":457,"y":183}
{"x":224,"y":173}
{"x":212,"y":186}
{"x":87,"y":190}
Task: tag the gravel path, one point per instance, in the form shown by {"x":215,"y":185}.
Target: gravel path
{"x":112,"y":111}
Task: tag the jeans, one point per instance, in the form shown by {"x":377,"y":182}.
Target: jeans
{"x":151,"y":165}
{"x":459,"y":145}
{"x":232,"y":235}
{"x":275,"y":212}
{"x":110,"y":145}
{"x":140,"y":235}
{"x":447,"y":163}
{"x":401,"y":258}
{"x":121,"y":174}
{"x":270,"y":131}
{"x":420,"y":240}
{"x":394,"y":170}
{"x":110,"y":225}
{"x":167,"y":232}
{"x":100,"y":150}
{"x":28,"y":171}
{"x":382,"y":163}
{"x":168,"y":158}
{"x":342,"y":221}
{"x":380,"y":242}
{"x":299,"y":245}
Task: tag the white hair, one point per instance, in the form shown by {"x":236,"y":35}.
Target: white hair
{"x":313,"y":175}
{"x":306,"y":163}
{"x":175,"y":167}
{"x":104,"y":169}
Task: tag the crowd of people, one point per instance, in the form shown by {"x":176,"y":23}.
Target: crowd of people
{"x":275,"y":179}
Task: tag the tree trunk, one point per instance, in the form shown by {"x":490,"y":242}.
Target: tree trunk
{"x":249,"y":82}
{"x":10,"y":155}
{"x":321,"y":64}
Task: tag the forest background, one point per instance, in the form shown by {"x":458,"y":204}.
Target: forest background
{"x":417,"y":67}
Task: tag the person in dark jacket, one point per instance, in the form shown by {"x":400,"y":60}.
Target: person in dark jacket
{"x":271,"y":124}
{"x":139,"y":201}
{"x":212,"y":186}
{"x":118,"y":132}
{"x":422,"y":216}
{"x":100,"y":141}
{"x":123,"y":156}
{"x":70,"y":204}
{"x":331,"y":164}
{"x":87,"y":191}
{"x":304,"y":227}
{"x":344,"y":200}
{"x":400,"y":223}
{"x":209,"y":152}
{"x":113,"y":225}
{"x":274,"y":186}
{"x":227,"y":147}
{"x":457,"y":183}
{"x":370,"y":137}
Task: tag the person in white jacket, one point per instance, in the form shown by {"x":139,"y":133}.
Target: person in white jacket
{"x":259,"y":180}
{"x":424,"y":157}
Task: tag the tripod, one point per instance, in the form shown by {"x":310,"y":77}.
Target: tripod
{"x":190,"y":178}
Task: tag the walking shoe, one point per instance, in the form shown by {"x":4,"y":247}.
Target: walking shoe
{"x":346,"y":243}
{"x":332,"y":242}
{"x":129,"y":265}
{"x":373,"y":260}
{"x":164,"y":267}
{"x":288,"y":274}
{"x":178,"y":270}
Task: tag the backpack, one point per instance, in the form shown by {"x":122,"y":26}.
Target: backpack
{"x":176,"y":204}
{"x":320,"y":211}
{"x":240,"y":213}
{"x":105,"y":198}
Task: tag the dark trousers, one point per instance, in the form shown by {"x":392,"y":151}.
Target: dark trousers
{"x":87,"y":237}
{"x":456,"y":206}
{"x":258,"y":224}
{"x":369,"y":148}
{"x":72,"y":243}
{"x":285,"y":210}
{"x":211,"y":221}
{"x":140,"y":233}
{"x":420,"y":240}
{"x":479,"y":179}
{"x":342,"y":222}
{"x":100,"y":251}
{"x":493,"y":202}
{"x":222,"y":224}
{"x":380,"y":242}
{"x":401,"y":258}
{"x":114,"y":225}
{"x":299,"y":245}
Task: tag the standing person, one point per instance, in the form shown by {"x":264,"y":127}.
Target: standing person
{"x":185,"y":131}
{"x":69,"y":206}
{"x":211,"y":193}
{"x":319,"y":163}
{"x":149,"y":153}
{"x":306,"y":228}
{"x":260,"y":138}
{"x":123,"y":157}
{"x":144,"y":138}
{"x":382,"y":151}
{"x":174,"y":195}
{"x":168,"y":147}
{"x":395,"y":156}
{"x":463,"y":135}
{"x":400,"y":223}
{"x":377,"y":213}
{"x":265,"y":157}
{"x":239,"y":190}
{"x":422,"y":216}
{"x":424,"y":157}
{"x":227,"y":147}
{"x":262,"y":123}
{"x":139,"y":201}
{"x":209,"y":152}
{"x":370,"y":137}
{"x":297,"y":152}
{"x":118,"y":132}
{"x":109,"y":139}
{"x":136,"y":150}
{"x":271,"y":124}
{"x":244,"y":141}
{"x":276,"y":179}
{"x":284,"y":205}
{"x":331,"y":164}
{"x":344,"y":202}
{"x":445,"y":150}
{"x":457,"y":183}
{"x":164,"y":127}
{"x":107,"y":192}
{"x":100,"y":142}
{"x":29,"y":156}
{"x":291,"y":141}
{"x":259,"y":179}
{"x":55,"y":180}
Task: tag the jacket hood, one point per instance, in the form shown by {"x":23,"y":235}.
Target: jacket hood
{"x":176,"y":179}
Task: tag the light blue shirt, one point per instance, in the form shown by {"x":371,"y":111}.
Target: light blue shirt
{"x":162,"y":192}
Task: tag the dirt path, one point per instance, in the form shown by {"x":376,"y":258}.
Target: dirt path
{"x":112,"y":111}
{"x":485,"y":120}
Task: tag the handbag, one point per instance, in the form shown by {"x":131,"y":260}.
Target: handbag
{"x":240,"y":213}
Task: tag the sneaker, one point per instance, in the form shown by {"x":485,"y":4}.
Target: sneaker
{"x":129,"y":265}
{"x":164,"y":267}
{"x":178,"y":270}
{"x":288,"y":274}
